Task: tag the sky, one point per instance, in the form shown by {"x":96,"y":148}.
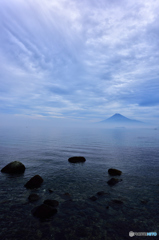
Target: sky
{"x":84,"y":60}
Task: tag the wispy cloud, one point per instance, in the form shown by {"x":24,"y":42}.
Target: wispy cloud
{"x":78,"y":59}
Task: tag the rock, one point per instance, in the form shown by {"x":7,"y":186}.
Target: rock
{"x":101,"y":193}
{"x":13,"y":168}
{"x":33,"y":197}
{"x":144,"y":201}
{"x":76,"y":159}
{"x":93,"y":198}
{"x":114,"y":172}
{"x":34,"y":182}
{"x":44,"y":211}
{"x":67,"y":194}
{"x":113,"y":181}
{"x":50,"y":191}
{"x":117,"y":201}
{"x":52,"y":203}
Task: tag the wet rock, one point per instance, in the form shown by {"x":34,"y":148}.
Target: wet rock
{"x":93,"y":198}
{"x":117,"y":201}
{"x":33,"y":197}
{"x":76,"y":159}
{"x":101,"y":193}
{"x":14,"y":168}
{"x":44,"y":211}
{"x":52,"y":203}
{"x":67,"y":194}
{"x":50,"y":191}
{"x":144,"y":201}
{"x":114,"y":172}
{"x":114,"y":181}
{"x":34,"y":182}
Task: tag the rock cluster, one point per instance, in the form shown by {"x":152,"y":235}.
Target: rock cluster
{"x":49,"y":207}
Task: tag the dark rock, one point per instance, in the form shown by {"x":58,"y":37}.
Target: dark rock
{"x":101,"y":193}
{"x":14,"y":168}
{"x":67,"y":194}
{"x":33,"y":197}
{"x":52,"y":203}
{"x":93,"y":198}
{"x":117,"y":201}
{"x":114,"y":172}
{"x":144,"y":201}
{"x":114,"y":181}
{"x":76,"y":159}
{"x":50,"y":191}
{"x":44,"y":211}
{"x":34,"y":182}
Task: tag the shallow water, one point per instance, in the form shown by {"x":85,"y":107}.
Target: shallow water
{"x":46,"y":152}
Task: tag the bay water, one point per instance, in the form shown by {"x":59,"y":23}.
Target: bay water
{"x":130,"y":205}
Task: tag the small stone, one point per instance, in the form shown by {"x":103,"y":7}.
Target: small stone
{"x":33,"y":197}
{"x":93,"y":198}
{"x":144,"y":201}
{"x":52,"y":203}
{"x":44,"y":211}
{"x":34,"y":182}
{"x":67,"y":194}
{"x":114,"y":172}
{"x":51,"y":191}
{"x":114,"y":181}
{"x":101,"y":193}
{"x":117,"y":201}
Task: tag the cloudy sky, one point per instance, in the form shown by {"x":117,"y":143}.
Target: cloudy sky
{"x":76,"y":59}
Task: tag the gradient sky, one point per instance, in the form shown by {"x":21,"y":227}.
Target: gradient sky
{"x":76,"y":59}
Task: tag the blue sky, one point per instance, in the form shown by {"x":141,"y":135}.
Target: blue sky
{"x":76,"y":59}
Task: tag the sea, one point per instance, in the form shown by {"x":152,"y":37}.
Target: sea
{"x":129,"y":208}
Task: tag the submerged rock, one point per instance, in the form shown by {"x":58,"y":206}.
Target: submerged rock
{"x":52,"y":203}
{"x":144,"y":201}
{"x":34,"y":182}
{"x":44,"y":211}
{"x":114,"y":181}
{"x":76,"y":159}
{"x":33,"y":197}
{"x":50,"y":191}
{"x":117,"y":201}
{"x":114,"y":172}
{"x":93,"y":198}
{"x":101,"y":193}
{"x":14,"y":168}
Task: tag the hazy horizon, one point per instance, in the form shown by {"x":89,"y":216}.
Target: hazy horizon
{"x":79,"y":62}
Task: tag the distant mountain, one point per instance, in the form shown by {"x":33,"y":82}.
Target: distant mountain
{"x":118,"y":119}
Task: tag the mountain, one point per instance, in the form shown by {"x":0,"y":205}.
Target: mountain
{"x":118,"y":119}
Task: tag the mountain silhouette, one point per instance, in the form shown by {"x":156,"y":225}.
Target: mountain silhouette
{"x":118,"y":119}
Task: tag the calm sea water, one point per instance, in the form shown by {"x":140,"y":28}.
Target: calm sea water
{"x":46,"y":152}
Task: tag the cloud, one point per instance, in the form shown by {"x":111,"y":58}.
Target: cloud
{"x":79,"y":58}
